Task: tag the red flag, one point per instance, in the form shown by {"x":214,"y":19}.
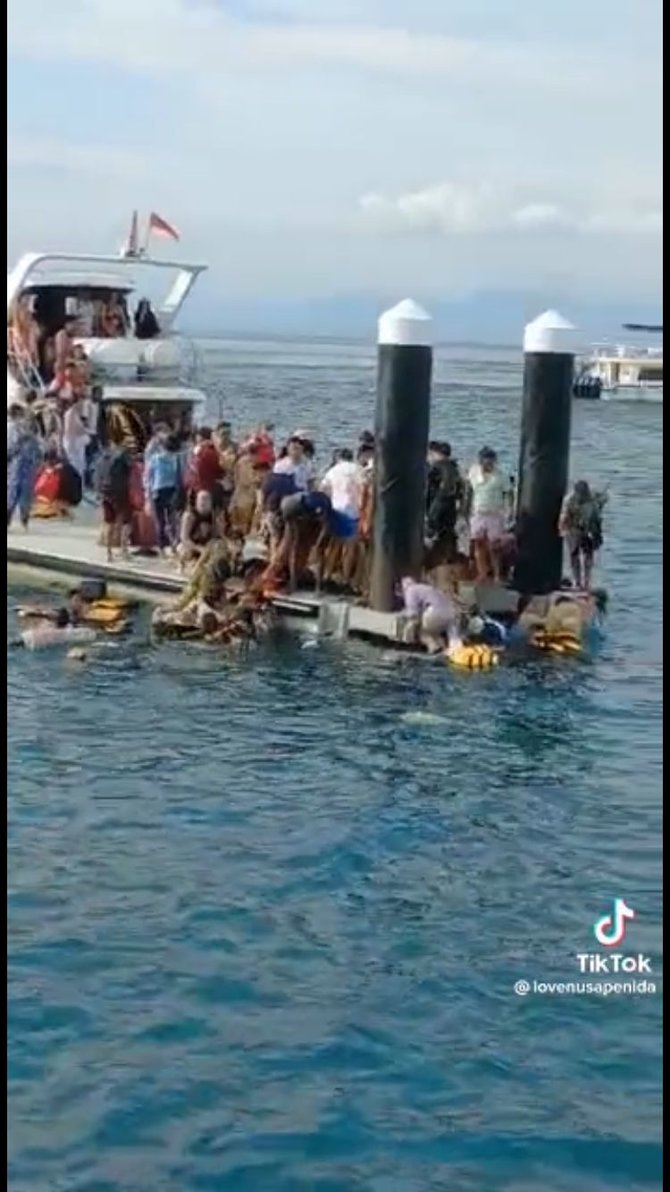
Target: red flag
{"x":162,"y":227}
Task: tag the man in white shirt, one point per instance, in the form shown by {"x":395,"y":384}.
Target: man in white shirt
{"x":343,"y":483}
{"x":487,"y":504}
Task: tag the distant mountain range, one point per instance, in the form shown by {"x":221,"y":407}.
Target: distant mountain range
{"x":495,"y":317}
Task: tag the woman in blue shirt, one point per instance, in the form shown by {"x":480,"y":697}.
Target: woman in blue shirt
{"x":162,"y":490}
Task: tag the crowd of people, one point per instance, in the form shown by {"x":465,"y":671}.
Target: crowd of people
{"x":188,"y":490}
{"x":50,"y":353}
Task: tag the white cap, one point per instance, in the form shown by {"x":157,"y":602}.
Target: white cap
{"x":550,"y":333}
{"x":406,"y":325}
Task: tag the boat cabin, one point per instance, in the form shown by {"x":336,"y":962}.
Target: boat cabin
{"x":132,"y":353}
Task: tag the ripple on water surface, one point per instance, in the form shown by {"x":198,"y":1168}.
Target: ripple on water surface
{"x":264,"y":926}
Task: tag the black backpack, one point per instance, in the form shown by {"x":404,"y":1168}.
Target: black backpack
{"x":113,"y":474}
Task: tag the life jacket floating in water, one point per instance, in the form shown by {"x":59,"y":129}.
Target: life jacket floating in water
{"x":472,"y":657}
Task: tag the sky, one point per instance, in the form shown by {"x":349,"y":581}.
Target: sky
{"x":312,"y":148}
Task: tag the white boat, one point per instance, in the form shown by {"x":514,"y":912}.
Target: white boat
{"x":155,"y":377}
{"x":626,"y":372}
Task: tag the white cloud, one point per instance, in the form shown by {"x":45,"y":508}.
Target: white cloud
{"x":539,"y":215}
{"x":166,"y":36}
{"x":450,"y":208}
{"x":97,"y":161}
{"x":256,"y":133}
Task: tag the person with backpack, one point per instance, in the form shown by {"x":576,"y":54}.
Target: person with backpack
{"x":113,"y":476}
{"x":581,"y":527}
{"x":444,"y":497}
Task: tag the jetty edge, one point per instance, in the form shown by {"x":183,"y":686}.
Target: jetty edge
{"x":72,"y":550}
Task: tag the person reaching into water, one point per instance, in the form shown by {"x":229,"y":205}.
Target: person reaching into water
{"x":581,"y":527}
{"x":198,"y":526}
{"x":433,"y":617}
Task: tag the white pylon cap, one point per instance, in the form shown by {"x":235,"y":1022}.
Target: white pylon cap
{"x":549,"y":332}
{"x":406,"y":325}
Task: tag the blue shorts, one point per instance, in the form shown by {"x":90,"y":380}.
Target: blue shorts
{"x":342,"y":526}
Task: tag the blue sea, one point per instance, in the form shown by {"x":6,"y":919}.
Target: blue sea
{"x":265,"y":921}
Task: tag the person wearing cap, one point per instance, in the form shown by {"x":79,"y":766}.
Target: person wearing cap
{"x":487,"y":501}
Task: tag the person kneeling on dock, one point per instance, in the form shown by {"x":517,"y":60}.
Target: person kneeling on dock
{"x":433,"y":617}
{"x":198,"y":527}
{"x":307,"y":519}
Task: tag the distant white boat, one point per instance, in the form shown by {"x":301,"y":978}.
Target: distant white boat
{"x":159,"y":373}
{"x":613,"y":371}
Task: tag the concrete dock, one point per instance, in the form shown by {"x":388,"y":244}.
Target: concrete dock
{"x":72,"y":548}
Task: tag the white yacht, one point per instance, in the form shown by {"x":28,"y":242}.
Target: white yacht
{"x":153,"y":377}
{"x":626,"y":372}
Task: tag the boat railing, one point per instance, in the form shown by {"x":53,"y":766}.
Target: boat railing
{"x":190,"y":360}
{"x":622,"y":351}
{"x":183,"y":369}
{"x":22,"y":367}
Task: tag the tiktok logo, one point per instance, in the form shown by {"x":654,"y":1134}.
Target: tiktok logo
{"x":610,"y":931}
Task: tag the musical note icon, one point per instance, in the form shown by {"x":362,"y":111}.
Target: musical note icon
{"x":610,"y":931}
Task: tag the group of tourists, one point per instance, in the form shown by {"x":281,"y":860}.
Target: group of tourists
{"x":35,"y":344}
{"x":189,"y":488}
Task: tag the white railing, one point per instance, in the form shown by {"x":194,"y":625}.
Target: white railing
{"x":22,"y":367}
{"x":190,"y":361}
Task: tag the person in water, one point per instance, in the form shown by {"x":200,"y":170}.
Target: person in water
{"x":433,"y":617}
{"x":198,"y":526}
{"x":581,"y":527}
{"x":23,"y":457}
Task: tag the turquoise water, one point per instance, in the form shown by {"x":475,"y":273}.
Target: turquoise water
{"x":264,"y":925}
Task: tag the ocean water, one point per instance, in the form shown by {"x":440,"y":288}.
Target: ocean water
{"x":266,"y":913}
